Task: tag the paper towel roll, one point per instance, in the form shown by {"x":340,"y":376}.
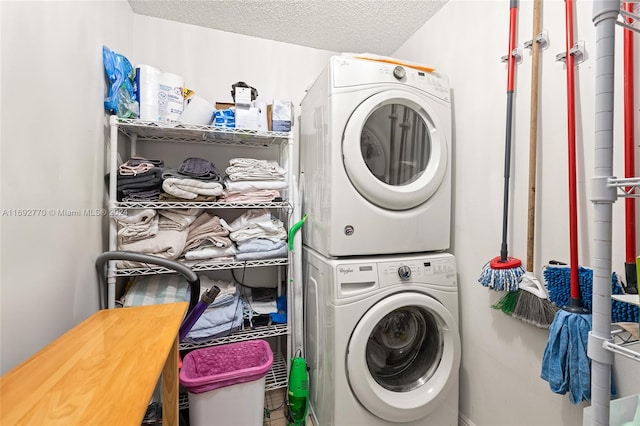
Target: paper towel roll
{"x":197,"y":111}
{"x":170,"y":97}
{"x":147,"y":86}
{"x":159,"y":93}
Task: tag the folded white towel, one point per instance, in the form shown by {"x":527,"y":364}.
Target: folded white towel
{"x":252,"y":185}
{"x":254,"y":169}
{"x":247,"y":219}
{"x":210,"y":253}
{"x":273,"y":230}
{"x":189,"y":189}
{"x":257,"y":196}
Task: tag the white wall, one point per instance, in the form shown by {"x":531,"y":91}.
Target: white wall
{"x":52,"y":158}
{"x":500,"y":376}
{"x":210,"y":61}
{"x":53,"y":139}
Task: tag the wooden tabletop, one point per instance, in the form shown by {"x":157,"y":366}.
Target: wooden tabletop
{"x":103,"y":371}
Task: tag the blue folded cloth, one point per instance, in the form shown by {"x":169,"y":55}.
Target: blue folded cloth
{"x":565,"y":364}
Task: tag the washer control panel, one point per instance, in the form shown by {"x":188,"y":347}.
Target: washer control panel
{"x":404,"y":272}
{"x":436,"y":270}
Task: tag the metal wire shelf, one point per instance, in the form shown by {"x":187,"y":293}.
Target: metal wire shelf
{"x":204,"y":266}
{"x":194,"y":204}
{"x":275,"y":378}
{"x":179,"y":132}
{"x":239,"y":336}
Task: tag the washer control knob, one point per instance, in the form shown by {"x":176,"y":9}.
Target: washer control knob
{"x":404,"y":272}
{"x":399,"y":72}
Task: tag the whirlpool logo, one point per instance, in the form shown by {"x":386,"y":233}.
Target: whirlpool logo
{"x":345,"y":271}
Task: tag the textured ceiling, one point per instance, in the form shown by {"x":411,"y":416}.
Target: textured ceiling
{"x":372,"y":26}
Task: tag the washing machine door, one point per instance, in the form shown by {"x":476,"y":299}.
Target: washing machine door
{"x":403,"y":356}
{"x":394,"y":151}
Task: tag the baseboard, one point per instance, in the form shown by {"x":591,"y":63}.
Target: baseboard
{"x":464,"y":420}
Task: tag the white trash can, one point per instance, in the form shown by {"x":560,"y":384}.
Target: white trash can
{"x":226,"y":383}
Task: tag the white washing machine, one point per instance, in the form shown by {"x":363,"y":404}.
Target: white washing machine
{"x":375,"y":159}
{"x":381,"y":339}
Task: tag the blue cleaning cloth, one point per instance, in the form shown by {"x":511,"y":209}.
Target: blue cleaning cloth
{"x":565,"y":364}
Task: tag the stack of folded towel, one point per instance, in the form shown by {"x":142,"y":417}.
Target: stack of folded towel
{"x":166,"y":243}
{"x":177,"y":219}
{"x":208,"y":240}
{"x":196,"y":179}
{"x":139,"y":179}
{"x":257,"y":235}
{"x":253,"y":180}
{"x":134,"y":225}
{"x":223,"y":316}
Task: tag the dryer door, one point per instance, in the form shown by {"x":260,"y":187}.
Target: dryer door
{"x":393,"y":151}
{"x":404,"y":354}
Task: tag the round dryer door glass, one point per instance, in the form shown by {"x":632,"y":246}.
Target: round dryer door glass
{"x":395,"y":148}
{"x":404,"y":349}
{"x":396,"y":144}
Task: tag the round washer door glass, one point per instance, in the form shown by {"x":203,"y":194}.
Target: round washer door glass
{"x":404,"y":349}
{"x":403,"y":356}
{"x":393,"y":150}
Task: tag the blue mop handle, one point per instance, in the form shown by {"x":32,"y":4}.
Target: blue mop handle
{"x":205,"y":300}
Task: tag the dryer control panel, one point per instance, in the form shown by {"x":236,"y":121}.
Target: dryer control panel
{"x":351,"y":72}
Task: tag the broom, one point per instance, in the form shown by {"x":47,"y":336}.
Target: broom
{"x":530,"y":303}
{"x":503,"y":272}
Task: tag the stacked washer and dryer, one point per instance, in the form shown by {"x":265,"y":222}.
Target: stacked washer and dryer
{"x":380,"y":292}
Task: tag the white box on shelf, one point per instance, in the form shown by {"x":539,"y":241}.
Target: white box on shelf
{"x":243,"y":96}
{"x":247,"y":118}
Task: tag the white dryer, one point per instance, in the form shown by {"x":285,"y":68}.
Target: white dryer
{"x":382,"y":340}
{"x":375,"y":159}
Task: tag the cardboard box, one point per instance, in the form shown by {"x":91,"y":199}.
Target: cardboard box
{"x":224,"y":105}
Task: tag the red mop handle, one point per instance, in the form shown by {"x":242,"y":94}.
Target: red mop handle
{"x":629,"y":161}
{"x":513,"y":13}
{"x":571,"y":125}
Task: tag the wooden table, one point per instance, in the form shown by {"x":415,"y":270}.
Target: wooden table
{"x":103,"y":371}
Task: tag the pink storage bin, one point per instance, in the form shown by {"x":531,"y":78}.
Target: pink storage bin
{"x":219,"y":366}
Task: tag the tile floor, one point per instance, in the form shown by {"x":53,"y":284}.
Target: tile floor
{"x":274,"y":408}
{"x":274,"y":404}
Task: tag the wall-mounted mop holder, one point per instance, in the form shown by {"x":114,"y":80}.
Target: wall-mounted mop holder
{"x":626,"y":17}
{"x":542,"y":39}
{"x":577,"y":51}
{"x":516,"y":53}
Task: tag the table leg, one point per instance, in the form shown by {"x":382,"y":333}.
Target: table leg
{"x":170,"y":387}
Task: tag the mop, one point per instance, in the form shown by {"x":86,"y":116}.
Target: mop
{"x":530,"y":303}
{"x":502,"y":272}
{"x":565,"y":364}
